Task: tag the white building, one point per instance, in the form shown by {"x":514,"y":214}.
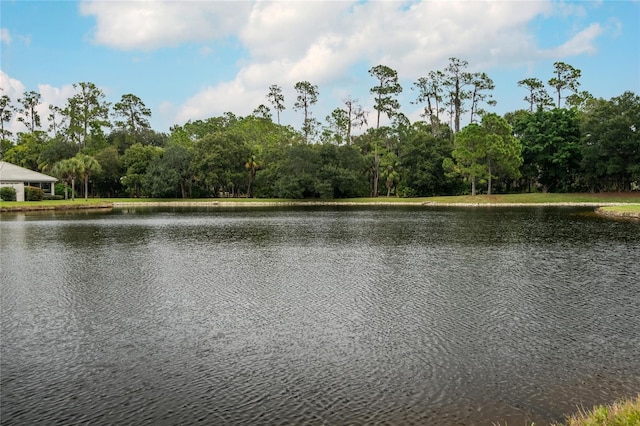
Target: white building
{"x":18,"y":177}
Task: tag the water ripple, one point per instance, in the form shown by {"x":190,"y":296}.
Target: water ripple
{"x":321,"y":316}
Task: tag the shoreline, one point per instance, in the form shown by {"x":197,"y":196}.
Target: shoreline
{"x":617,"y":214}
{"x":352,"y":203}
{"x":217,"y":203}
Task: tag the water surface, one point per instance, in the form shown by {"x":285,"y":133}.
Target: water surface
{"x":336,"y":315}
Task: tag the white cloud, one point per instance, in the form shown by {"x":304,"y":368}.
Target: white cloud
{"x":5,"y":36}
{"x":10,"y":86}
{"x":149,"y":25}
{"x":581,"y":43}
{"x":14,"y":89}
{"x":322,"y":41}
{"x":232,"y":96}
{"x":49,"y":95}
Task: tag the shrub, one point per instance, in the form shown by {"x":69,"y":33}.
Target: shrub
{"x":53,"y":197}
{"x":7,"y":193}
{"x":31,"y":193}
{"x":59,"y":188}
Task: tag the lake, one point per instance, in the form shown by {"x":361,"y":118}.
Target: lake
{"x":316,"y":315}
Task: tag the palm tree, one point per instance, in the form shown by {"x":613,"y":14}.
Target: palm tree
{"x":87,"y":165}
{"x":68,"y":170}
{"x":252,"y":165}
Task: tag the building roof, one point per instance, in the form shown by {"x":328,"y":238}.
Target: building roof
{"x":12,"y":173}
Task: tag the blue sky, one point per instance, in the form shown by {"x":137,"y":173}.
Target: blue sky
{"x":198,"y":59}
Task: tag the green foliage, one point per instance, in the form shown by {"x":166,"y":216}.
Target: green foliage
{"x":7,"y":193}
{"x":26,"y":152}
{"x":307,"y":96}
{"x":169,"y":176}
{"x":32,"y":193}
{"x":59,"y":188}
{"x":133,"y":112}
{"x":611,"y":143}
{"x":136,"y":161}
{"x":551,"y":148}
{"x":592,"y":144}
{"x":107,"y":181}
{"x":50,"y":197}
{"x":620,"y":413}
{"x":485,"y":151}
{"x":421,"y":164}
{"x":565,"y":78}
{"x":386,"y":91}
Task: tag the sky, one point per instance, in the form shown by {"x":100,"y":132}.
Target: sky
{"x":189,"y":60}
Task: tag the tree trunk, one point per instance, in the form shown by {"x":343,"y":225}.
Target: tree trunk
{"x":376,"y":175}
{"x":473,"y":186}
{"x":86,"y":186}
{"x":73,"y":189}
{"x":489,"y":182}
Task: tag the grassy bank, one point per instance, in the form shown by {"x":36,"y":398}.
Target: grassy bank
{"x":92,"y":203}
{"x":596,"y":199}
{"x":620,"y":413}
{"x":632,"y":211}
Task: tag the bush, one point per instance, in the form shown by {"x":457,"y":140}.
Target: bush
{"x":7,"y":193}
{"x":53,"y":197}
{"x":59,"y":188}
{"x":31,"y":193}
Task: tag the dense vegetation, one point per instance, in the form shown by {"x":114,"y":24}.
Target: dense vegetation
{"x":566,"y":143}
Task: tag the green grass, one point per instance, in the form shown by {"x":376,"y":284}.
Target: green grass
{"x":632,"y":208}
{"x":533,"y":198}
{"x":621,"y":413}
{"x":53,"y":204}
{"x":529,"y":198}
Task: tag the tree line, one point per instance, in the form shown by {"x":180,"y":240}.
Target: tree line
{"x":563,"y":140}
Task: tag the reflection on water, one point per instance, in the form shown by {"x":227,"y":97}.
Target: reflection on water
{"x":316,"y":315}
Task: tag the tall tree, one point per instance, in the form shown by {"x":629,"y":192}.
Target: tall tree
{"x":538,"y":96}
{"x":430,"y":90}
{"x":481,"y":92}
{"x":276,"y":98}
{"x":580,"y":100}
{"x":356,"y":116}
{"x":469,"y":154}
{"x":28,"y":114}
{"x":263,"y":112}
{"x":56,"y":119}
{"x":307,"y":96}
{"x":565,"y":78}
{"x":455,"y":81}
{"x":386,"y":91}
{"x":6,"y":112}
{"x":88,"y":111}
{"x":134,"y":113}
{"x":338,"y":123}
